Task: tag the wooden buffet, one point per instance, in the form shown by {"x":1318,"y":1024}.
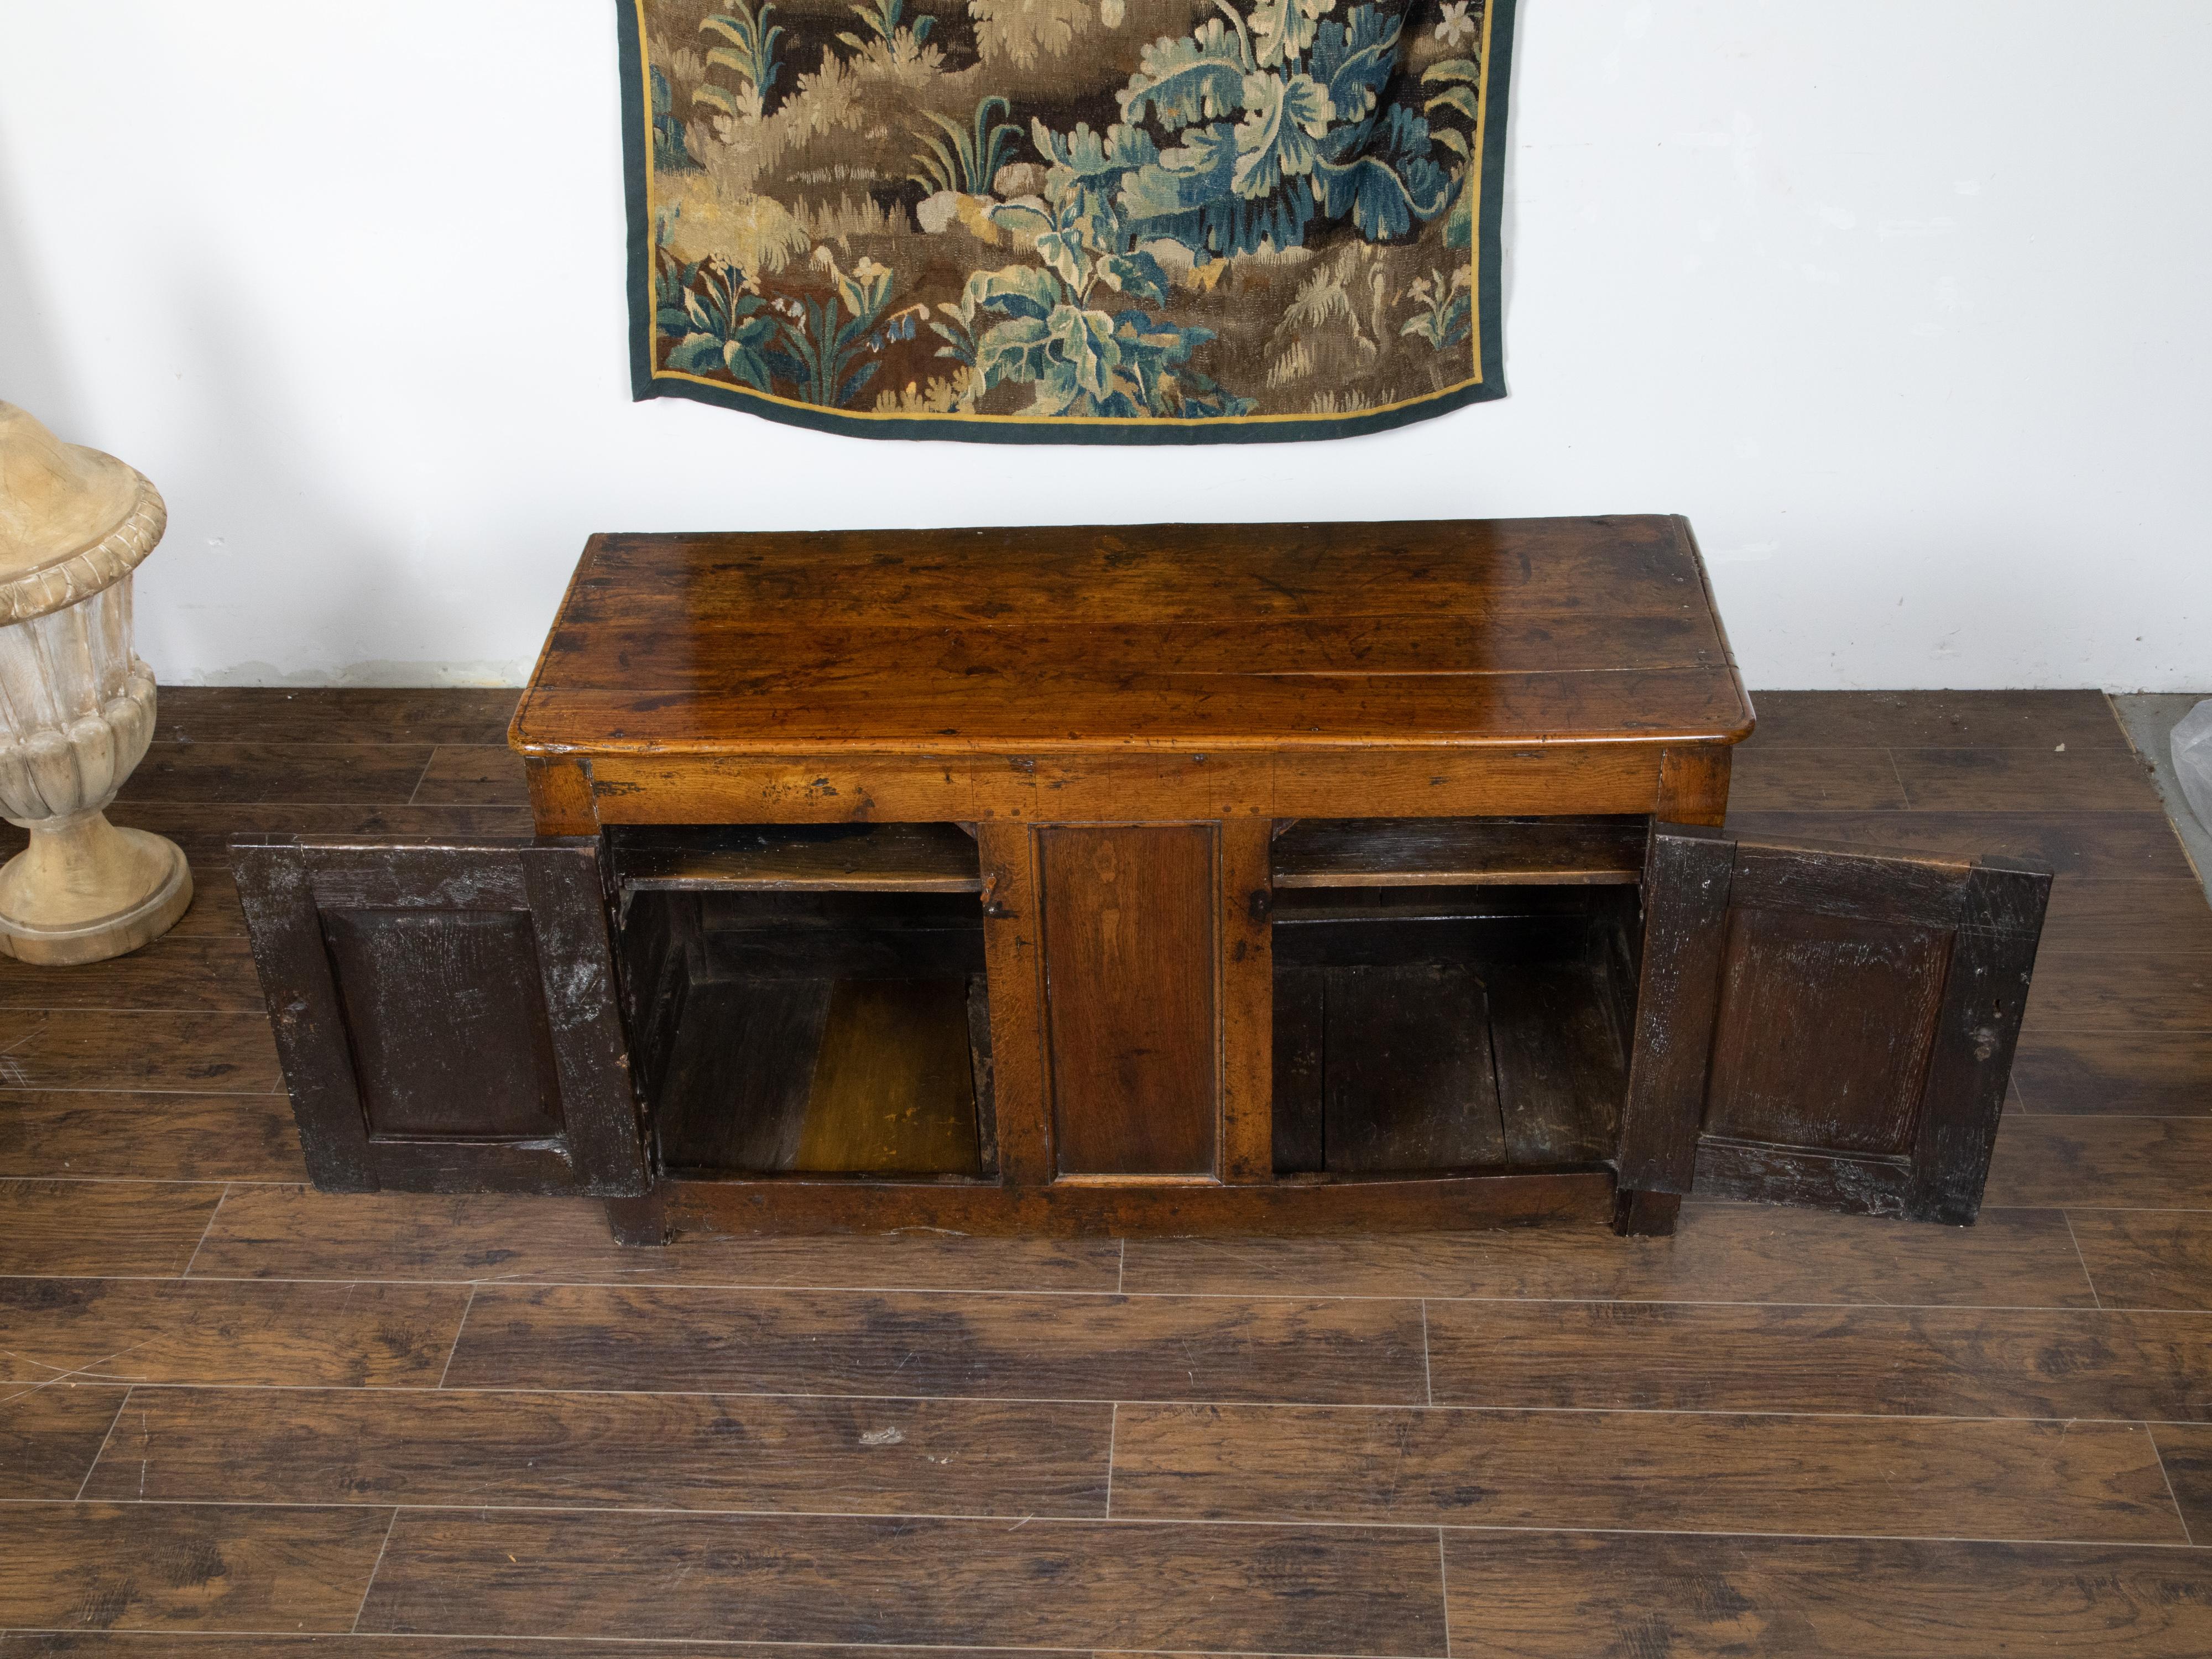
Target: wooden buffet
{"x":1171,"y":878}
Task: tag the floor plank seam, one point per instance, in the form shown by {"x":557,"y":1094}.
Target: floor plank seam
{"x":2059,"y":1113}
{"x":122,"y":1007}
{"x":186,"y":1271}
{"x":1112,"y":1297}
{"x":2158,"y":1452}
{"x":422,"y":777}
{"x":2037,"y":1033}
{"x":376,"y":1567}
{"x":202,"y":1642}
{"x":1428,"y":1376}
{"x":462,"y":1325}
{"x":1443,"y":1590}
{"x":2087,"y":1276}
{"x":121,"y":1406}
{"x":154,"y":806}
{"x":115,"y":1005}
{"x":2108,"y":1209}
{"x":1113,"y":1439}
{"x":161,"y":1181}
{"x":899,"y":1518}
{"x":8,"y":1088}
{"x":1999,"y":814}
{"x":1871,"y":1419}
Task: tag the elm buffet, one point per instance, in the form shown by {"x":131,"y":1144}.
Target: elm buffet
{"x":1171,"y":878}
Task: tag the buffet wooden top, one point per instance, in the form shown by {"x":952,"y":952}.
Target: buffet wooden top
{"x":1246,"y":649}
{"x":1485,"y":631}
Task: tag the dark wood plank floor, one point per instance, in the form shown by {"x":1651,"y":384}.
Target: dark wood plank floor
{"x":240,"y":1418}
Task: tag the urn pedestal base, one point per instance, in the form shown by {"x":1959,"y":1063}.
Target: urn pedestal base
{"x":84,"y":890}
{"x":76,"y":705}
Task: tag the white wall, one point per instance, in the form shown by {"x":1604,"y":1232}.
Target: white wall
{"x":1904,"y":303}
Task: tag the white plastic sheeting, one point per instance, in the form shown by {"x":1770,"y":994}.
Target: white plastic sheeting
{"x":2192,"y":759}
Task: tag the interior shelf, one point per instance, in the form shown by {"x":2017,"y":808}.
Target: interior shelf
{"x":1459,"y":852}
{"x":884,"y":858}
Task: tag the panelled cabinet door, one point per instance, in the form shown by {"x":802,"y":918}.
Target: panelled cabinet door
{"x":446,"y":1014}
{"x":1826,"y":1028}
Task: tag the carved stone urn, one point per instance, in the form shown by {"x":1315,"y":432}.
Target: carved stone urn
{"x":76,"y":708}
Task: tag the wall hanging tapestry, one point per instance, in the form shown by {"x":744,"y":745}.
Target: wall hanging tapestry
{"x":1085,"y":220}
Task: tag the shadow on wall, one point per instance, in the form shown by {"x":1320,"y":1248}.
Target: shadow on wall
{"x":32,"y":372}
{"x":234,"y":437}
{"x":258,"y":434}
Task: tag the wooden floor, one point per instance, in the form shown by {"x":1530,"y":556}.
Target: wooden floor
{"x":240,"y":1418}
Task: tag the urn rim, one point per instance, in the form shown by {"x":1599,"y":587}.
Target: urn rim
{"x":73,"y":520}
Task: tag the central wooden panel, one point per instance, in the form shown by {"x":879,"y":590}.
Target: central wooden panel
{"x":1129,"y":993}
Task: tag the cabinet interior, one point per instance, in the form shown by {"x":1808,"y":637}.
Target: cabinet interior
{"x":1450,"y":996}
{"x":1453,"y":996}
{"x":808,"y":1000}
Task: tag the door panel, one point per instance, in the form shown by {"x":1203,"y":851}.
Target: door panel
{"x":1851,"y":1077}
{"x":445,"y":1014}
{"x":436,"y":1002}
{"x":1129,"y":961}
{"x":1824,"y":1028}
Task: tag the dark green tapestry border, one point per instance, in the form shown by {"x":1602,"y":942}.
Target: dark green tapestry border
{"x":647,"y":381}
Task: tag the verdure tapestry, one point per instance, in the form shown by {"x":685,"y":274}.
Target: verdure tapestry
{"x":1085,"y":220}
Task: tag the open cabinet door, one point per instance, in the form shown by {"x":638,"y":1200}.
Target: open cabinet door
{"x":446,"y":1014}
{"x":1824,"y":1028}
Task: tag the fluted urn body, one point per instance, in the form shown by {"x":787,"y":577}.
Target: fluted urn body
{"x":76,"y":705}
